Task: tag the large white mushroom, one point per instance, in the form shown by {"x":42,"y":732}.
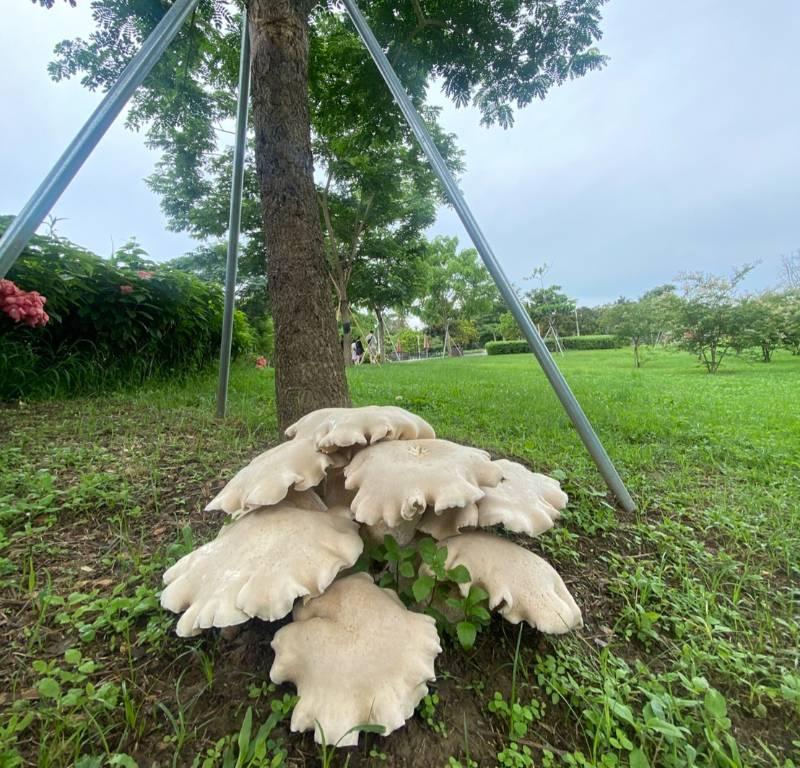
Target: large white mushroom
{"x":396,"y":481}
{"x":267,"y":478}
{"x":521,"y":586}
{"x":357,"y":656}
{"x":334,"y":428}
{"x":258,"y":566}
{"x":523,"y":501}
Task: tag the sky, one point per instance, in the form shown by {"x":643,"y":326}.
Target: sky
{"x":683,"y":154}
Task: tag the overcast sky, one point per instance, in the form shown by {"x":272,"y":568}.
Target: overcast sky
{"x":683,"y":154}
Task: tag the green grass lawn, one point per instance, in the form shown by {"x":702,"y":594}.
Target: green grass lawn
{"x":689,"y":654}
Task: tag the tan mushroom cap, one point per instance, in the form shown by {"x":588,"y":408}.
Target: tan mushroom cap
{"x":258,"y":566}
{"x":523,"y":502}
{"x":524,"y":586}
{"x":267,"y":478}
{"x":332,"y":428}
{"x":356,"y":655}
{"x":396,"y":481}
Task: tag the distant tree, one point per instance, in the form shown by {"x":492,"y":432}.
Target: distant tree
{"x":790,"y":268}
{"x":458,"y":287}
{"x":390,"y":273}
{"x":760,"y":324}
{"x":587,"y":321}
{"x":632,"y":320}
{"x":706,"y":320}
{"x":509,"y":329}
{"x":548,"y":304}
{"x":790,"y":310}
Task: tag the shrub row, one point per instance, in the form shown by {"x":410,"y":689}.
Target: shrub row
{"x":514,"y":347}
{"x":109,"y":326}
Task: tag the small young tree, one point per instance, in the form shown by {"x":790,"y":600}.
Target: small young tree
{"x":509,"y":329}
{"x":587,"y":321}
{"x":632,"y":320}
{"x":760,"y":324}
{"x":790,"y":268}
{"x":790,"y":320}
{"x":706,"y":320}
{"x":458,"y":287}
{"x":547,"y":303}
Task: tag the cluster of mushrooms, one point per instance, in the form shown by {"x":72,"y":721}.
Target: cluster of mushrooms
{"x":300,"y":514}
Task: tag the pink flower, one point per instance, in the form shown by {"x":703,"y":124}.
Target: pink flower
{"x":261,"y":362}
{"x":22,"y":306}
{"x":144,"y":274}
{"x":126,"y":289}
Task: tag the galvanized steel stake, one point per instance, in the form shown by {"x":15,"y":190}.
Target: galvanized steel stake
{"x":23,"y":227}
{"x":235,"y":220}
{"x":554,"y":375}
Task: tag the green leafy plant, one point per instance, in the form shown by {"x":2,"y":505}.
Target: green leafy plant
{"x":419,"y":574}
{"x":111,"y":324}
{"x":427,"y":711}
{"x":246,"y":749}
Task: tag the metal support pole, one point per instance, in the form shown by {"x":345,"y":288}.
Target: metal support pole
{"x":235,"y":221}
{"x":44,"y":198}
{"x":554,"y":375}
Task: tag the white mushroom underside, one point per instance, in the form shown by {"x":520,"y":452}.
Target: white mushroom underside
{"x":267,"y":479}
{"x":258,"y":566}
{"x":332,"y":428}
{"x":357,"y":655}
{"x":521,"y":585}
{"x":396,"y":481}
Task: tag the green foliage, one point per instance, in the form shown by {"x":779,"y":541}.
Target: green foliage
{"x":508,"y":328}
{"x":606,"y":341}
{"x":639,"y":321}
{"x":548,"y":303}
{"x":427,"y":711}
{"x":706,"y":319}
{"x":762,"y":323}
{"x":246,"y":749}
{"x":459,"y":290}
{"x":109,"y":325}
{"x":419,"y":575}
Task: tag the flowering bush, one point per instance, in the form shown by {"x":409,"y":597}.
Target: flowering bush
{"x":22,"y":306}
{"x":110,"y":325}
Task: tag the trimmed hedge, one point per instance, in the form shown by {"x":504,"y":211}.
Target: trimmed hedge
{"x":108,"y":326}
{"x":604,"y":341}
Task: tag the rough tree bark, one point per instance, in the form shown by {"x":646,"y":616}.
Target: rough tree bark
{"x":309,"y":370}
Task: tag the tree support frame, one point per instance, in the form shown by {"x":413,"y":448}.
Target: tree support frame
{"x":44,"y":198}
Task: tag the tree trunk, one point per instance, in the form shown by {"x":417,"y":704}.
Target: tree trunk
{"x":309,"y":370}
{"x":381,"y":335}
{"x":347,"y":334}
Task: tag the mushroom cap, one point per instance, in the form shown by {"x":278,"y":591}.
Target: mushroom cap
{"x":268,"y":477}
{"x":356,"y":655}
{"x":523,"y":585}
{"x":332,"y":428}
{"x":258,"y":565}
{"x":396,"y":481}
{"x":523,"y":502}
